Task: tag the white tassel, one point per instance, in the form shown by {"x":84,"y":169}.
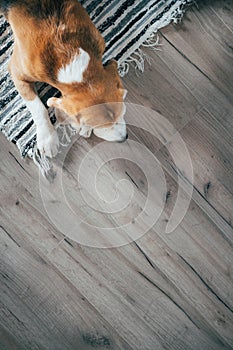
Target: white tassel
{"x":139,"y":57}
{"x":44,"y":164}
{"x":178,"y":14}
{"x":123,"y":69}
{"x":65,"y":134}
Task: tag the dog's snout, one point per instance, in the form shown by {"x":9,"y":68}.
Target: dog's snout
{"x":124,"y":138}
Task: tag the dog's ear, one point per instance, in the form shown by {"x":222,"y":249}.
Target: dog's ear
{"x":55,"y":102}
{"x":111,"y":66}
{"x":113,"y":63}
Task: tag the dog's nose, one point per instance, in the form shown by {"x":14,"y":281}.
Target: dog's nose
{"x":124,"y":138}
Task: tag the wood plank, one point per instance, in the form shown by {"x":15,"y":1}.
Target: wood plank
{"x":209,"y":49}
{"x":159,"y":89}
{"x":8,"y":340}
{"x":210,"y":147}
{"x":194,"y":66}
{"x":164,"y":290}
{"x":132,"y":289}
{"x":70,"y":261}
{"x":44,"y":309}
{"x":223,"y":10}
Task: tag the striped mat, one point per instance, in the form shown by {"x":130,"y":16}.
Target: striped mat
{"x":125,"y":26}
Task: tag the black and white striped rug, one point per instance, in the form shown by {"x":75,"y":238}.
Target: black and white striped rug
{"x":125,"y":25}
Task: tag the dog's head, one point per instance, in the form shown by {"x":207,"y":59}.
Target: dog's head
{"x":96,"y":106}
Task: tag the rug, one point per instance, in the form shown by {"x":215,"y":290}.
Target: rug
{"x":125,"y":25}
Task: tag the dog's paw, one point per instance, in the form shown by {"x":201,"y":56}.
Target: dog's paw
{"x":47,"y":141}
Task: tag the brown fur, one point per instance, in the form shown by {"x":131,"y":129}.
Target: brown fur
{"x":43,"y":44}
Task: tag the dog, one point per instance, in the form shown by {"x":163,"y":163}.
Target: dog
{"x":56,"y":42}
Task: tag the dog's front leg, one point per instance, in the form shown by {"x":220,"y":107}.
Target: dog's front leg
{"x":47,"y":139}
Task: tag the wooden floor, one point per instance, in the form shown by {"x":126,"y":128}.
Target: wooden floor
{"x":164,"y":291}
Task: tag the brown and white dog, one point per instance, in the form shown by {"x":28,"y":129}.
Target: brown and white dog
{"x":57,"y":43}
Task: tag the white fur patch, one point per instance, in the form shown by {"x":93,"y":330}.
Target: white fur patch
{"x":73,"y":72}
{"x":38,"y":111}
{"x":47,"y":139}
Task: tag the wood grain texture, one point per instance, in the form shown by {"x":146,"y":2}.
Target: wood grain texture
{"x":163,"y":291}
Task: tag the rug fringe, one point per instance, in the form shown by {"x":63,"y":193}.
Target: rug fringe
{"x":65,"y":133}
{"x":45,"y":164}
{"x":138,"y":58}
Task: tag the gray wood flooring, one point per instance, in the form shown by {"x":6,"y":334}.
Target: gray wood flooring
{"x":169,"y":291}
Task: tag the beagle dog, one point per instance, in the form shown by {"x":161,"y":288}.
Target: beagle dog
{"x":56,"y":42}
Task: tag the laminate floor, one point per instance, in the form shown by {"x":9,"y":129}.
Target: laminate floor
{"x":74,"y":285}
